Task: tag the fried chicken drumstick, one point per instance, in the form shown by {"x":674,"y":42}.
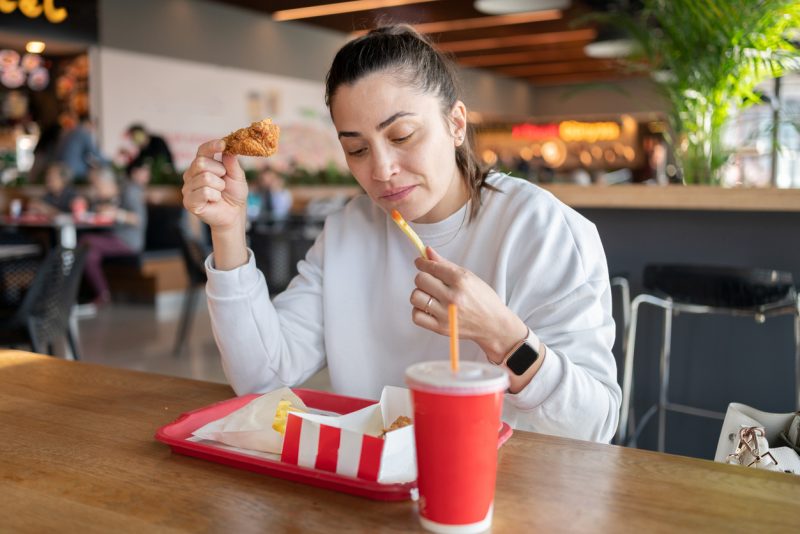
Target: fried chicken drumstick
{"x":258,"y":139}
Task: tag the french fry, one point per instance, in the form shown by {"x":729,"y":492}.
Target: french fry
{"x":412,"y":235}
{"x":282,"y":416}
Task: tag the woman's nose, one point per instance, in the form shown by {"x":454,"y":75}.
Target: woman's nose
{"x":384,"y":165}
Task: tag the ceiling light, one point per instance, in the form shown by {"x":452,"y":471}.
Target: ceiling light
{"x":611,"y":43}
{"x":503,"y":7}
{"x":34,"y":47}
{"x":615,"y":48}
{"x":353,"y":6}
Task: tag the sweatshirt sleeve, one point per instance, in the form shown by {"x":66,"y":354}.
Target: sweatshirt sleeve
{"x":265,"y":345}
{"x":575,"y":392}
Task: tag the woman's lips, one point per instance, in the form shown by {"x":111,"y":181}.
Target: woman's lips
{"x":398,"y":194}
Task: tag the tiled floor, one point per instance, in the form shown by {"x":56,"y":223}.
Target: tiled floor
{"x":142,"y":337}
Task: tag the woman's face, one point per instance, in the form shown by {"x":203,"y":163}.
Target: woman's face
{"x":400,"y":147}
{"x":54,"y":182}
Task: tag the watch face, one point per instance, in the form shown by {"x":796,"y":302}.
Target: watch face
{"x":522,"y":359}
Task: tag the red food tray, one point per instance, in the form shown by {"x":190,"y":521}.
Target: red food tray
{"x":177,"y":434}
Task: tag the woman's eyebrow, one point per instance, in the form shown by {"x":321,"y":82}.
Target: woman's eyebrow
{"x":393,"y":118}
{"x":380,"y":126}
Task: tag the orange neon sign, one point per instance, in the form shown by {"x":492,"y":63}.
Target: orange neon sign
{"x":34,"y":8}
{"x":589,"y":132}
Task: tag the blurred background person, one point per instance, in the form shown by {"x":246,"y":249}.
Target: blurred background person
{"x":269,"y":200}
{"x":44,"y":152}
{"x":128,"y":210}
{"x":59,"y":193}
{"x":77,"y":149}
{"x":153,"y":150}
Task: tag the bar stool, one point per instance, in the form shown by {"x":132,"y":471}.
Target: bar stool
{"x":695,"y":289}
{"x":622,"y":314}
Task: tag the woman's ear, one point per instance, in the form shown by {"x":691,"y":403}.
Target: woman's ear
{"x":458,"y":122}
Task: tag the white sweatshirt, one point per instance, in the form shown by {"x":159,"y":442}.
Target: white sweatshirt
{"x":349,"y":307}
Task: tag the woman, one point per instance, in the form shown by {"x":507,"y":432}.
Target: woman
{"x":528,"y":273}
{"x":129,"y":213}
{"x":59,"y":191}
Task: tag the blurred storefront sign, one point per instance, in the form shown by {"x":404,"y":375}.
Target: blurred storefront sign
{"x":33,"y":9}
{"x":71,"y":20}
{"x":589,"y":132}
{"x":607,"y":150}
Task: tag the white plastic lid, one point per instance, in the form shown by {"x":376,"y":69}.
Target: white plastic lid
{"x":473,"y":378}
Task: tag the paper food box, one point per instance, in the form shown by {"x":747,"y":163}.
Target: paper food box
{"x":355,"y":444}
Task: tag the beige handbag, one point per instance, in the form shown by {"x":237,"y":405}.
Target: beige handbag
{"x":761,"y":440}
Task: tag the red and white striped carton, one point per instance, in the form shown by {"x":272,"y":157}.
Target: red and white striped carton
{"x":353,"y":444}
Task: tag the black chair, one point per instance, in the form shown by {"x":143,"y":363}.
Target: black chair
{"x":194,"y":254}
{"x":43,"y":315}
{"x":698,"y":289}
{"x":277,"y":251}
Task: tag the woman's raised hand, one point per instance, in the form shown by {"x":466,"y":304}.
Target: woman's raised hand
{"x":214,"y":190}
{"x":482,"y":316}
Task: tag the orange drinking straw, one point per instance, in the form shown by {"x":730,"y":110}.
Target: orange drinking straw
{"x":452,"y":314}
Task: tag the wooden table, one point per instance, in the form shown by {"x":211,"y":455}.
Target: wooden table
{"x":63,"y":226}
{"x":77,"y":454}
{"x":15,"y":252}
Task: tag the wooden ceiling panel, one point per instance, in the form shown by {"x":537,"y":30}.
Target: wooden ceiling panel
{"x":538,"y":47}
{"x":531,"y":56}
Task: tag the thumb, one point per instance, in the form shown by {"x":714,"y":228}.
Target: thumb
{"x":232,"y":167}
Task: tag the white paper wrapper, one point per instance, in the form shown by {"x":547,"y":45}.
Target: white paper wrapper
{"x":250,"y":427}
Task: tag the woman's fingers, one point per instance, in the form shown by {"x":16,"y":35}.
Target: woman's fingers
{"x":198,"y":200}
{"x":206,"y":179}
{"x":426,"y":303}
{"x":440,"y":268}
{"x":210,"y":148}
{"x":202,"y":164}
{"x":432,"y":286}
{"x":429,"y":322}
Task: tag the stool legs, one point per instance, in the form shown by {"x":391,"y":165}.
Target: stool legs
{"x":626,"y":428}
{"x":627,"y":376}
{"x":666,"y":346}
{"x":625,"y":297}
{"x":797,"y":355}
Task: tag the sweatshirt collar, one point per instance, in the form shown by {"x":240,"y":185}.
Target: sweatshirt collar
{"x":442,"y":231}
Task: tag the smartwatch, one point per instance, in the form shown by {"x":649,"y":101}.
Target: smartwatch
{"x":520,"y":358}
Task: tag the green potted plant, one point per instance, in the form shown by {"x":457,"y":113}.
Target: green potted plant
{"x":708,"y":56}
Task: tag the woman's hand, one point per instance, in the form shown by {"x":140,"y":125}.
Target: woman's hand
{"x":482,"y":316}
{"x":215,"y":191}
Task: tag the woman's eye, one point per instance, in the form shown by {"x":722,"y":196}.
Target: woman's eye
{"x":402,"y":139}
{"x":356,"y":152}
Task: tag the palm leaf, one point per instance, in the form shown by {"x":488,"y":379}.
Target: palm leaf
{"x":716,"y":53}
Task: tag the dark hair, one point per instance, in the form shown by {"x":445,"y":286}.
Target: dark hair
{"x":409,"y":55}
{"x":136,"y":127}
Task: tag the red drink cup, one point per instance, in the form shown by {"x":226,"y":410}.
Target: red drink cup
{"x":456,"y":423}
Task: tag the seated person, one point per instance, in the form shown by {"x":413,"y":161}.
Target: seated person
{"x":527,"y":272}
{"x":269,"y":200}
{"x":127,"y":208}
{"x":59,"y":195}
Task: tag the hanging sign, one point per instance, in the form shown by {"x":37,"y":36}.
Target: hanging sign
{"x":34,"y":9}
